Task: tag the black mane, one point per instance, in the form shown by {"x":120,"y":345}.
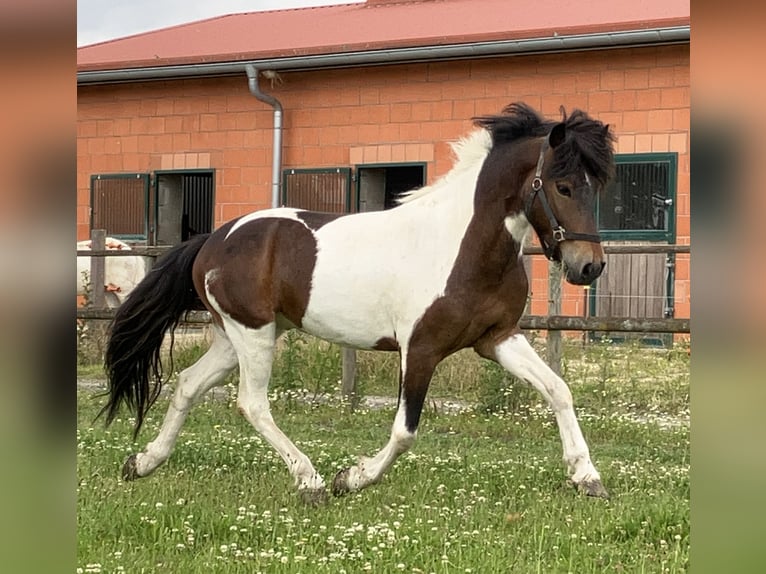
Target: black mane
{"x":588,"y":143}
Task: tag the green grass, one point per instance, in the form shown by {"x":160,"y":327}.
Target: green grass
{"x":483,"y":490}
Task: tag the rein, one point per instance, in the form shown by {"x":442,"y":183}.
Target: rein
{"x":559,"y":233}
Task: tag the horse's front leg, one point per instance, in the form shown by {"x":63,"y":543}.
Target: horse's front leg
{"x":517,"y":356}
{"x":415,"y":376}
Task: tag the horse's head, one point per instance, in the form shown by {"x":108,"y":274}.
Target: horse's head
{"x":575,"y":162}
{"x":561,"y":168}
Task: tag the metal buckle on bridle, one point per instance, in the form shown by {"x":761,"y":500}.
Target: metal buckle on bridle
{"x":558,"y":234}
{"x":537,"y":184}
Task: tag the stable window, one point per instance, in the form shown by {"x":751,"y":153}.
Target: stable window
{"x":164,"y":208}
{"x":639,"y":204}
{"x":379,"y":185}
{"x":183,"y":205}
{"x":120,"y":204}
{"x":327,"y":190}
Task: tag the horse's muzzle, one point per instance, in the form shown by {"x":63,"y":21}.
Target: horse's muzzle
{"x":585,"y":274}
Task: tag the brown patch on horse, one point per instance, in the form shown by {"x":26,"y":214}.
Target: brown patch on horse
{"x":266,"y":269}
{"x":386,"y":344}
{"x":486,"y":290}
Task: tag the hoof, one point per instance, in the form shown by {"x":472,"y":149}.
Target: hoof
{"x":129,"y":470}
{"x":340,"y":483}
{"x":592,"y":488}
{"x":313,"y":496}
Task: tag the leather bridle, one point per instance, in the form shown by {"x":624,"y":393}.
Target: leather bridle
{"x":559,"y":233}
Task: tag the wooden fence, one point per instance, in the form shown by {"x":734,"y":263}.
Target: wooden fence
{"x":554,"y":323}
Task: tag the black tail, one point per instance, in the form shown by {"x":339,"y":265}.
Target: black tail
{"x":132,"y":361}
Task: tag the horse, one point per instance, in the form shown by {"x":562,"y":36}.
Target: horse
{"x":121,"y":274}
{"x":440,"y":272}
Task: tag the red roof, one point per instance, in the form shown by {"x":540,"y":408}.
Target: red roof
{"x":377,"y":24}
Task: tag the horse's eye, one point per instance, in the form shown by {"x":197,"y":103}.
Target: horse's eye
{"x":563,"y":189}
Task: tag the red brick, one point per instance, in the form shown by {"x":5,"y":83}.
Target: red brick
{"x":147,"y":108}
{"x":348,"y":135}
{"x":612,"y":80}
{"x":682,"y":75}
{"x":179,"y":142}
{"x":232,"y":176}
{"x":565,"y":84}
{"x":588,"y":82}
{"x":410,"y":132}
{"x":208,"y":122}
{"x":463,"y":109}
{"x":683,"y":226}
{"x":190,"y":123}
{"x":662,"y":77}
{"x":86,"y":129}
{"x":421,"y":111}
{"x":648,"y":99}
{"x":129,"y":144}
{"x":227,"y":122}
{"x":681,"y":119}
{"x":378,"y":114}
{"x":249,"y":121}
{"x":96,"y":146}
{"x":682,"y":268}
{"x":675,"y":97}
{"x":369,"y":95}
{"x":637,"y":78}
{"x":369,"y":133}
{"x":624,"y":100}
{"x":349,"y":96}
{"x":599,"y":102}
{"x":390,"y":133}
{"x":334,"y":155}
{"x":401,"y":112}
{"x":659,"y":120}
{"x":634,"y":122}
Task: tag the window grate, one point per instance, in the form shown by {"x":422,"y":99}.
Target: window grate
{"x":327,"y":190}
{"x":119,"y":204}
{"x":639,"y":203}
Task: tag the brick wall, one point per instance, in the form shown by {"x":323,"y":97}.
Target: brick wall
{"x":388,"y":113}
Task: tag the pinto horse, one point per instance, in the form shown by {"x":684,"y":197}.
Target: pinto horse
{"x":440,"y":272}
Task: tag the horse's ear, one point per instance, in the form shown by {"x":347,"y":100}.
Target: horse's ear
{"x":557,"y":135}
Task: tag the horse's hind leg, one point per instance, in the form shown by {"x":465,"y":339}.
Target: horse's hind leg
{"x":209,"y":371}
{"x":517,"y":356}
{"x":255,"y":348}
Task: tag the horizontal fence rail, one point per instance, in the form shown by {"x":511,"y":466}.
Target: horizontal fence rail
{"x":542,"y":322}
{"x":157,"y":251}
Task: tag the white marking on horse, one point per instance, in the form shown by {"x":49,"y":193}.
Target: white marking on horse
{"x":282,"y":212}
{"x":378,"y":285}
{"x":518,"y":226}
{"x":517,"y":356}
{"x":255,"y":351}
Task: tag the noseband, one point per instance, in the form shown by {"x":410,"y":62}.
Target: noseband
{"x":559,"y":233}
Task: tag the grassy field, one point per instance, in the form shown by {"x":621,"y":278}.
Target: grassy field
{"x":483,"y":490}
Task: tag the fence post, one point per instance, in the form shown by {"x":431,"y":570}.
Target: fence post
{"x":553,"y":338}
{"x":98,"y":268}
{"x":348,"y":378}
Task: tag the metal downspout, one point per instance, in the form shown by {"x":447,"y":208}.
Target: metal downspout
{"x":276,"y":164}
